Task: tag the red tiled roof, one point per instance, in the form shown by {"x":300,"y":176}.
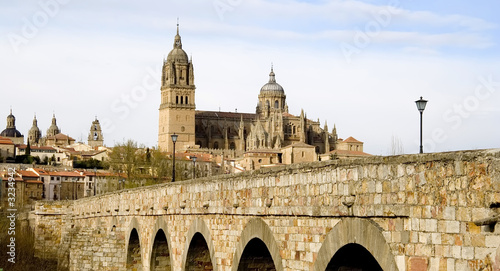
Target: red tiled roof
{"x":27,"y":173}
{"x":41,"y":171}
{"x":6,"y":141}
{"x":352,"y":140}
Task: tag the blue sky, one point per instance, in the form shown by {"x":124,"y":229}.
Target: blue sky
{"x":357,"y":64}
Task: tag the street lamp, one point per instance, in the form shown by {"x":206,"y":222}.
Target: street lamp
{"x":174,"y":139}
{"x":194,"y":165}
{"x":421,"y":106}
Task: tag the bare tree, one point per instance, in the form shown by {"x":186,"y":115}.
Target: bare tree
{"x":396,"y":146}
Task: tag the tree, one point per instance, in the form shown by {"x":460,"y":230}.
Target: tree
{"x":396,"y":146}
{"x":124,"y":158}
{"x":161,"y":165}
{"x":28,"y":149}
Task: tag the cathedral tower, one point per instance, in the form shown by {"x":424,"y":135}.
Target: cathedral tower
{"x":34,"y":133}
{"x":53,"y":129}
{"x":95,"y":136}
{"x":177,"y":108}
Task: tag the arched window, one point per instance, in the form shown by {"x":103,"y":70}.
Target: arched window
{"x":216,"y":145}
{"x":276,"y":104}
{"x":182,"y":99}
{"x":267,"y":104}
{"x":232,"y":146}
{"x":176,"y":99}
{"x":186,"y":99}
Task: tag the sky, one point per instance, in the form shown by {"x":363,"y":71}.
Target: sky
{"x":358,"y":65}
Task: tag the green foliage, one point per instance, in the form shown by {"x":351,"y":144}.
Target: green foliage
{"x":91,"y":163}
{"x":27,"y":159}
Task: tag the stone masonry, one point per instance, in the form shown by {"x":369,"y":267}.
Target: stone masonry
{"x":410,"y":212}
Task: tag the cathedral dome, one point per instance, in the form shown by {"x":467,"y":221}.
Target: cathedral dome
{"x":272,"y":87}
{"x":177,"y":55}
{"x":11,"y":132}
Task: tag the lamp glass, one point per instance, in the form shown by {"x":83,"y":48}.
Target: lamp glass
{"x":194,"y":158}
{"x":174,"y":138}
{"x":421,"y":104}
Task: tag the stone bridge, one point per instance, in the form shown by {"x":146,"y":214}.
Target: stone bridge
{"x":411,"y":212}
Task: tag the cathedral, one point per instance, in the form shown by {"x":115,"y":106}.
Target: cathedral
{"x":270,"y":129}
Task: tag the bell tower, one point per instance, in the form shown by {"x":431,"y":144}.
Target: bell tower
{"x":177,"y":107}
{"x":95,"y":138}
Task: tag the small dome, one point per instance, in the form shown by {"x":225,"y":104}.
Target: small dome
{"x":177,"y":55}
{"x":272,"y":87}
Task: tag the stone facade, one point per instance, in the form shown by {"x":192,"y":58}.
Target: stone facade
{"x":411,"y":212}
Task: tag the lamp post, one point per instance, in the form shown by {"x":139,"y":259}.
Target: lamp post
{"x":421,"y":106}
{"x":194,"y":166}
{"x":174,"y":139}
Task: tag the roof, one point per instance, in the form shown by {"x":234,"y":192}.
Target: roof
{"x":11,"y":132}
{"x":351,"y":140}
{"x":226,"y":115}
{"x":27,"y":173}
{"x":40,"y":171}
{"x":6,"y":141}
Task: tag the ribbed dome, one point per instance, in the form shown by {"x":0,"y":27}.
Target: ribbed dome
{"x":11,"y":132}
{"x":177,"y":55}
{"x":272,"y":87}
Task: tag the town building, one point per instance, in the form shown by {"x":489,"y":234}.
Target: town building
{"x":7,"y":149}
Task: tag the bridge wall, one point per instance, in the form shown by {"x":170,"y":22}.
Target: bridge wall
{"x":412,"y":212}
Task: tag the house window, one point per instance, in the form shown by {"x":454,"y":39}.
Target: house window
{"x":276,"y":104}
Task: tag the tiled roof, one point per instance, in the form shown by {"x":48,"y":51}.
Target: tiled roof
{"x":351,"y":140}
{"x":6,"y":141}
{"x":41,"y":171}
{"x":27,"y":173}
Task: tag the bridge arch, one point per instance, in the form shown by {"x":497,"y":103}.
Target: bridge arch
{"x":257,"y":229}
{"x":133,"y":246}
{"x":199,"y":234}
{"x":356,"y":233}
{"x":160,"y":248}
